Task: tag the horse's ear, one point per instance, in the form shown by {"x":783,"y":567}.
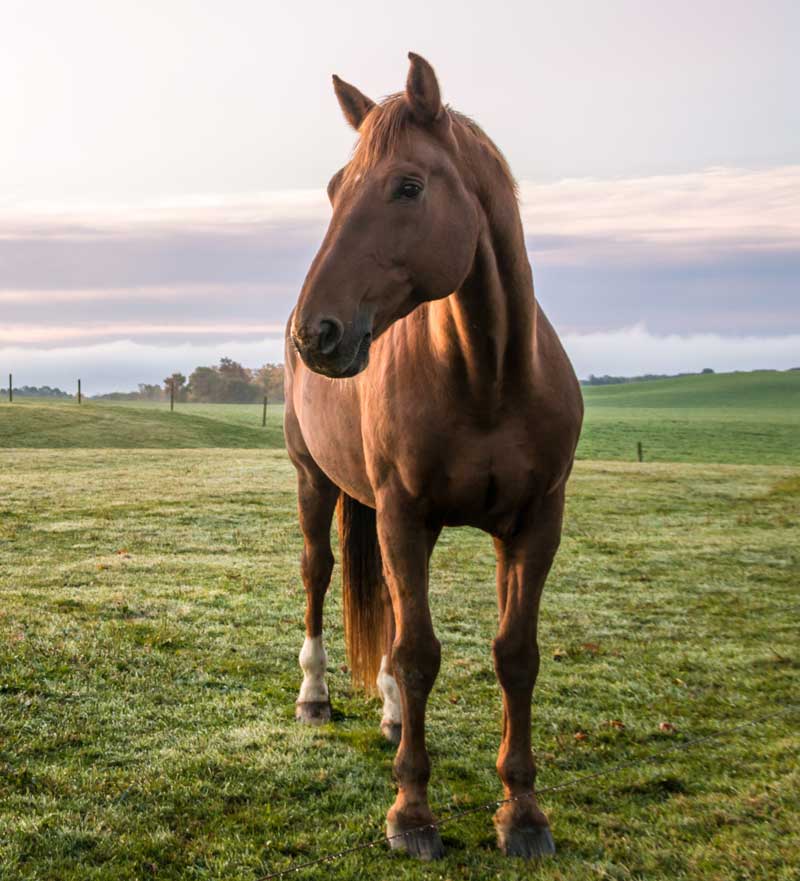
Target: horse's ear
{"x":422,"y":90}
{"x":355,"y":106}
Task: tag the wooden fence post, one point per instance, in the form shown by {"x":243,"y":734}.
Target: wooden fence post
{"x":79,"y":391}
{"x":264,"y":414}
{"x":10,"y":389}
{"x":639,"y":451}
{"x":171,"y":395}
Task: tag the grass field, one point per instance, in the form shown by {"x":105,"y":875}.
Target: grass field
{"x":151,"y":616}
{"x":33,"y":423}
{"x":733,"y":418}
{"x":725,"y":419}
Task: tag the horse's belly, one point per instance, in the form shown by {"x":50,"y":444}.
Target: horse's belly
{"x":485,"y":492}
{"x":490,"y":480}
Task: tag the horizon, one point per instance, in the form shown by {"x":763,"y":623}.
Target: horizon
{"x":603,"y":380}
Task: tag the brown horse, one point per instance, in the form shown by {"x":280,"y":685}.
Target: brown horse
{"x":425,"y":388}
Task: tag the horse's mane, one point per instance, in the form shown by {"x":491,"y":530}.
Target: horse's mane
{"x":385,"y":126}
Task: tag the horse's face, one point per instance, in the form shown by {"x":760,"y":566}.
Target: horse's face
{"x":404,"y":230}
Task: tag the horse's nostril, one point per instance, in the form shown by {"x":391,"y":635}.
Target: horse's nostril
{"x":331,"y":332}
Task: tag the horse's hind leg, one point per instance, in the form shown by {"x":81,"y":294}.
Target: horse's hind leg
{"x":316,"y":500}
{"x":523,"y":562}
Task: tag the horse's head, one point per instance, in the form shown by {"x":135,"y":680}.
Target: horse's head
{"x":404,"y":227}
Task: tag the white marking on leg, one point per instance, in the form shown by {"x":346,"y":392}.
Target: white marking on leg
{"x":313,"y":662}
{"x":387,"y":686}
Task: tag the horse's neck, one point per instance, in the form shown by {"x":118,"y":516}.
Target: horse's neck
{"x":486,"y":329}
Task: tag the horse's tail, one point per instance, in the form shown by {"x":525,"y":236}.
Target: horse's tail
{"x":362,"y":591}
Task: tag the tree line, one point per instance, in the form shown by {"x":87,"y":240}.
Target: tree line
{"x":40,"y":391}
{"x":645,"y":377}
{"x":226,"y":383}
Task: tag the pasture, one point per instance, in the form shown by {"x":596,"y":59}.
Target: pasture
{"x":151,"y":618}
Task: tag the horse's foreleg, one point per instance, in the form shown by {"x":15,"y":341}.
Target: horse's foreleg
{"x":392,"y":718}
{"x":405,"y":544}
{"x":317,"y":500}
{"x":523,"y":563}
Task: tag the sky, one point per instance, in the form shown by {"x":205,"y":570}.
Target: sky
{"x":163,"y":166}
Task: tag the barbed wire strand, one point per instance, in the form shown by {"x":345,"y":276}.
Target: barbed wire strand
{"x":556,"y":787}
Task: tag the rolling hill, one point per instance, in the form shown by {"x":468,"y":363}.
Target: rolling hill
{"x":732,"y":418}
{"x":55,"y":425}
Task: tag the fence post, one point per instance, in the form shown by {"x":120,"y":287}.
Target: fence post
{"x":171,"y":395}
{"x":639,"y":451}
{"x":264,"y":414}
{"x":10,"y":389}
{"x":79,"y":391}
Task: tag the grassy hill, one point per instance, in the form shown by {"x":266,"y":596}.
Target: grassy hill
{"x":56,"y":425}
{"x":733,"y":418}
{"x":758,"y":390}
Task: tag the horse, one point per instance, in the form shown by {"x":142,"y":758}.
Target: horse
{"x":425,"y":388}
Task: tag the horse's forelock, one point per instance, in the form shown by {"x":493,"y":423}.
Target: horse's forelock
{"x":388,"y":122}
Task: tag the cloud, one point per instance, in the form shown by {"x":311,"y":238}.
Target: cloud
{"x":633,"y":351}
{"x":122,"y":364}
{"x":695,"y":216}
{"x":21,"y":334}
{"x":714,"y":251}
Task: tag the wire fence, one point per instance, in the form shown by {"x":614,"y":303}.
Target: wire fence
{"x":557,"y":787}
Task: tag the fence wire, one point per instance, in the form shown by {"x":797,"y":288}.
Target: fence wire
{"x":557,"y":787}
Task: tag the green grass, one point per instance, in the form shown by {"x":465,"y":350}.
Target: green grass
{"x":151,"y":616}
{"x":737,"y":418}
{"x":245,"y":415}
{"x":151,"y":619}
{"x":33,"y":423}
{"x":762,"y":390}
{"x":734,"y":418}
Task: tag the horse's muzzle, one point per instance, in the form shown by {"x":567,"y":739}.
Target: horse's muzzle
{"x":333,"y":350}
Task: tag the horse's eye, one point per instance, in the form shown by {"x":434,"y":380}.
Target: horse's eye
{"x":409,"y":189}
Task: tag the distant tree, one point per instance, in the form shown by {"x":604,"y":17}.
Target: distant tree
{"x":118,"y":396}
{"x":270,"y":379}
{"x":706,"y":370}
{"x":233,"y":370}
{"x":204,"y":385}
{"x":150,"y":392}
{"x":178,"y":383}
{"x":42,"y":391}
{"x":236,"y":382}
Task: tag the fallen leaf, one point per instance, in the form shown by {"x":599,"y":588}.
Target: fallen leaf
{"x":102,"y":565}
{"x":667,"y":727}
{"x":558,"y":654}
{"x":454,"y":698}
{"x":616,"y":723}
{"x":581,"y":735}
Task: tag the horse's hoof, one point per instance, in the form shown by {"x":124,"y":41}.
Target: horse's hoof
{"x":424,"y":843}
{"x":528,"y":842}
{"x":392,"y":731}
{"x":313,"y":712}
